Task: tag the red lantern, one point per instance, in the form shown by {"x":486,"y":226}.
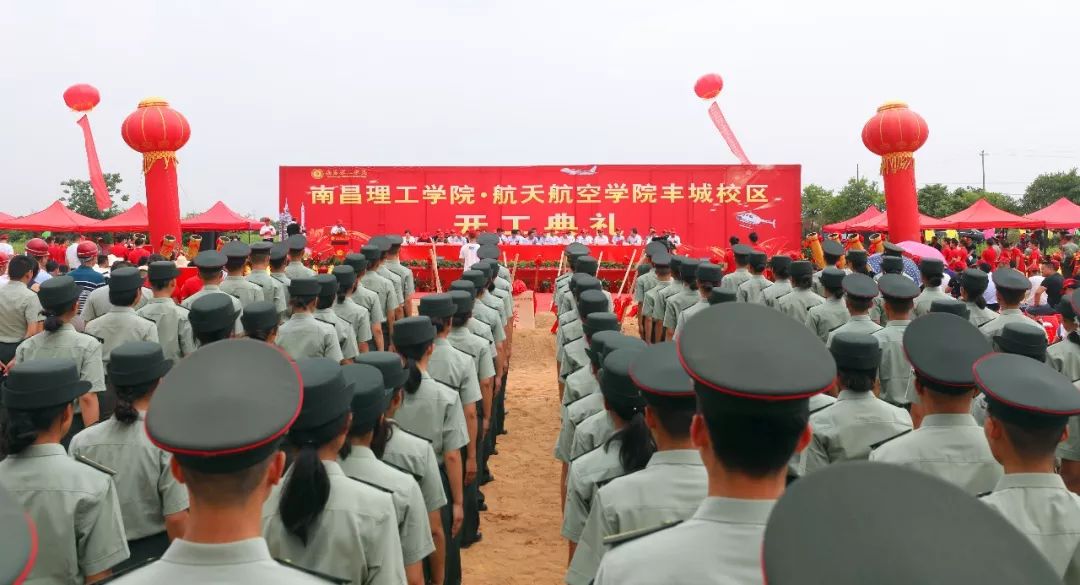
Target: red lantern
{"x":157,"y":131}
{"x":894,"y":134}
{"x":708,"y":86}
{"x":81,"y":97}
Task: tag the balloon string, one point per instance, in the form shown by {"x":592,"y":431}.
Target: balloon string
{"x":725,"y":131}
{"x":97,"y":179}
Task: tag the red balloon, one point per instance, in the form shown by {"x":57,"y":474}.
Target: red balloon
{"x":708,"y":86}
{"x":155,"y":126}
{"x":81,"y":97}
{"x":895,"y":128}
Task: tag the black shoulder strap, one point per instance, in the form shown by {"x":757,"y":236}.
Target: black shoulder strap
{"x":984,"y":494}
{"x":880,"y":443}
{"x":372,"y":484}
{"x":323,"y":576}
{"x":94,"y":464}
{"x":608,"y":480}
{"x":821,"y":408}
{"x":398,"y":427}
{"x":402,"y":469}
{"x":600,"y":446}
{"x":450,"y":386}
{"x":624,"y":537}
{"x":466,"y":352}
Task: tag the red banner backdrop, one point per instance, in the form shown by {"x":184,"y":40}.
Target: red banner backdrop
{"x":704,"y":204}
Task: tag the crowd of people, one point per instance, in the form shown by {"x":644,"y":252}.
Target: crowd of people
{"x":276,"y":413}
{"x":280,"y":425}
{"x":594,"y":237}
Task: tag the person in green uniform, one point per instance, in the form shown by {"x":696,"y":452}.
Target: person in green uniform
{"x":847,"y":430}
{"x":709,"y":278}
{"x":476,"y":326}
{"x":898,"y":294}
{"x":475,"y":346}
{"x":72,"y":502}
{"x":228,"y":460}
{"x":318,"y":517}
{"x":832,"y":314}
{"x":324,"y":311}
{"x":751,"y":418}
{"x":626,"y":448}
{"x":368,"y":299}
{"x":393,"y":262}
{"x":973,"y":283}
{"x":753,"y":290}
{"x":1064,"y":356}
{"x":152,"y":503}
{"x":20,"y":311}
{"x":572,"y":252}
{"x":832,"y":251}
{"x":781,"y":269}
{"x":572,"y":320}
{"x":297,"y":243}
{"x":121,"y":324}
{"x":889,"y":265}
{"x":433,"y":410}
{"x":396,"y":282}
{"x":673,"y":484}
{"x":1029,"y":406}
{"x":174,"y":328}
{"x":840,"y":508}
{"x":357,"y":459}
{"x":279,"y":256}
{"x":796,"y":303}
{"x":59,"y":301}
{"x":19,"y":552}
{"x":684,"y":299}
{"x":1012,"y":287}
{"x":212,"y":319}
{"x":357,"y":317}
{"x":932,"y":272}
{"x":859,"y":293}
{"x":595,"y":430}
{"x":304,"y":336}
{"x":272,"y":290}
{"x":661,"y":261}
{"x":210,"y":263}
{"x":97,"y":302}
{"x":663,"y":294}
{"x":382,"y":287}
{"x":734,"y":280}
{"x":574,"y":356}
{"x":645,"y":282}
{"x":236,"y":255}
{"x":948,"y":443}
{"x":260,"y":321}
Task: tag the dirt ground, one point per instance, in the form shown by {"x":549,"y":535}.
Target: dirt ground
{"x":522,"y":544}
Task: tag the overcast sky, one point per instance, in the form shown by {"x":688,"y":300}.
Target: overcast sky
{"x":485,"y":82}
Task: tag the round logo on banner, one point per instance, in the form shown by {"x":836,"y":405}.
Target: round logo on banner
{"x":316,"y":173}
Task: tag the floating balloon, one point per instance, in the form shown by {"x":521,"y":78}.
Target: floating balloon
{"x":82,"y":97}
{"x":708,"y":86}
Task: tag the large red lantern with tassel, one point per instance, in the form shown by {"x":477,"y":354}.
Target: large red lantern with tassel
{"x":158,"y":131}
{"x":894,"y":134}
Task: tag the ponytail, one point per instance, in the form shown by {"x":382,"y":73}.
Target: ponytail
{"x":125,"y":397}
{"x":53,"y":315}
{"x":381,"y":437}
{"x":21,"y":427}
{"x":261,"y":334}
{"x":413,"y":354}
{"x":636,"y":441}
{"x":307,"y":487}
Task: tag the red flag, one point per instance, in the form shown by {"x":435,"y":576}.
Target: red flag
{"x":729,"y":135}
{"x":97,"y":179}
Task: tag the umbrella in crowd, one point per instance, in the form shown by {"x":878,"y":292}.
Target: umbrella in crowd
{"x":910,"y":268}
{"x":920,"y":250}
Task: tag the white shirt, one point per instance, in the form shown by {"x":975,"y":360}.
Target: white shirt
{"x":72,"y":256}
{"x":601,"y":240}
{"x":7,"y":249}
{"x":468,"y":255}
{"x":1036,"y":282}
{"x":267,"y":231}
{"x":634,"y":239}
{"x":990,"y":296}
{"x":675,"y":239}
{"x":337,"y":229}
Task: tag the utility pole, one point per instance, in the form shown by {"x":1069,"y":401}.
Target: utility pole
{"x":982,"y":155}
{"x":856,"y":172}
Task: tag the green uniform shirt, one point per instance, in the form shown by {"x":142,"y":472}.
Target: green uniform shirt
{"x":572,"y":416}
{"x":895,"y":370}
{"x":648,"y":307}
{"x":663,"y":295}
{"x":414,"y":527}
{"x":476,"y":347}
{"x":174,"y":329}
{"x":382,"y":287}
{"x":574,"y":357}
{"x":591,"y":433}
{"x":215,"y":289}
{"x":67,"y":343}
{"x":484,"y":331}
{"x":97,"y":302}
{"x":669,"y":489}
{"x":856,"y":324}
{"x":145,"y":485}
{"x":19,"y":307}
{"x":753,"y":290}
{"x":408,"y":281}
{"x":571,"y":331}
{"x":827,"y":317}
{"x":455,"y":369}
{"x":434,"y":412}
{"x":846,"y":430}
{"x":355,"y":537}
{"x":979,"y":316}
{"x":119,"y":326}
{"x":304,"y":336}
{"x":927,"y":297}
{"x":243,"y":562}
{"x":491,"y":318}
{"x":720,"y":543}
{"x":346,"y":335}
{"x":778,"y":289}
{"x":296,"y":269}
{"x":644,"y":284}
{"x":1007,"y":316}
{"x":733,"y":281}
{"x":689,"y":312}
{"x":582,"y":480}
{"x":357,"y":317}
{"x":414,"y":455}
{"x":247,"y":292}
{"x":579,"y":385}
{"x":494,"y":303}
{"x":75,"y":510}
{"x":395,"y":281}
{"x":949,"y":446}
{"x":677,"y":303}
{"x":797,"y":303}
{"x":370,"y":300}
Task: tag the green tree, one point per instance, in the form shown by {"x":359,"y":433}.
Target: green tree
{"x":1049,"y":187}
{"x":936,"y":200}
{"x":966,"y":196}
{"x":815,"y":201}
{"x":79,"y":197}
{"x":853,"y":199}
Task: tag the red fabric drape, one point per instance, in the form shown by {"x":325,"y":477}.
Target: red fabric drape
{"x":97,"y":179}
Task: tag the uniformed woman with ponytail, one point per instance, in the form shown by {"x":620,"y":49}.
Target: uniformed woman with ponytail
{"x":626,"y":450}
{"x":59,"y":298}
{"x":154,"y":505}
{"x":433,"y":411}
{"x":260,"y":321}
{"x":318,"y":518}
{"x":72,"y":502}
{"x":359,"y":460}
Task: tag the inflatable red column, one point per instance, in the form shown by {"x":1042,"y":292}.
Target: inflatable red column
{"x":894,"y":134}
{"x":158,"y":131}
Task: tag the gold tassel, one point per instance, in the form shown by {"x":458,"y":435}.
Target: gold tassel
{"x":149,"y":158}
{"x":895,"y":162}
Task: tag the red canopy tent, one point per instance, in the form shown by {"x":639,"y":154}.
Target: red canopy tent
{"x":55,"y":217}
{"x":218,"y":218}
{"x":132,"y":220}
{"x":845,"y":226}
{"x":982,"y":214}
{"x":881,"y":224}
{"x":5,"y":216}
{"x":1061,"y":214}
